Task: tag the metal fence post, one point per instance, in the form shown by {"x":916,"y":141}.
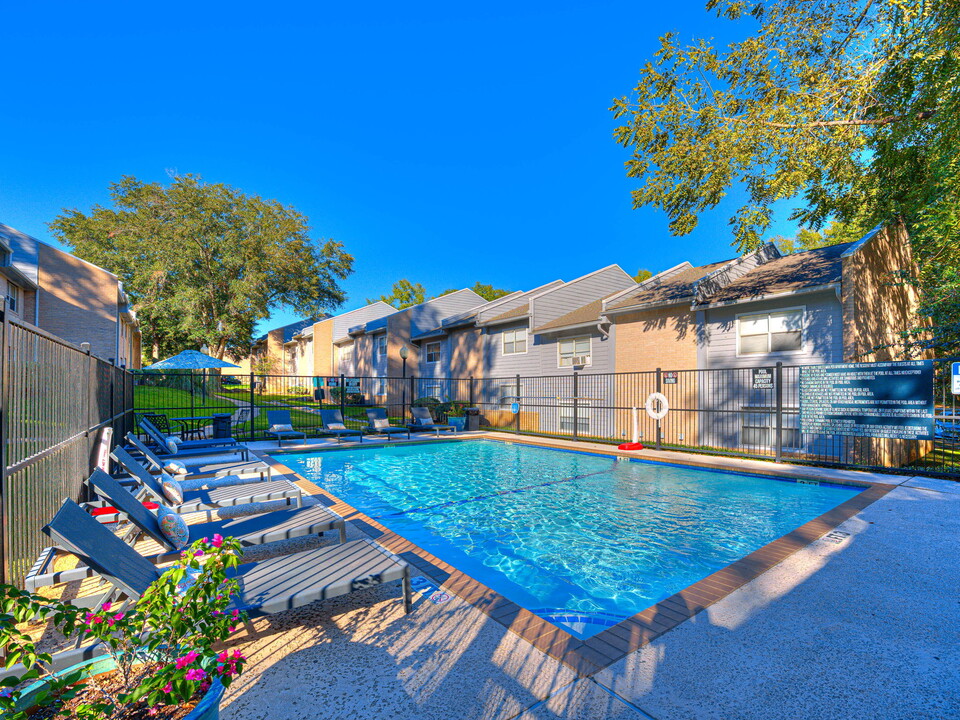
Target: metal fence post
{"x":779,"y":399}
{"x":576,"y":415}
{"x":659,"y":428}
{"x":413,"y":396}
{"x":516,"y":421}
{"x":252,"y":400}
{"x":343,"y":397}
{"x":471,"y":392}
{"x":4,"y":394}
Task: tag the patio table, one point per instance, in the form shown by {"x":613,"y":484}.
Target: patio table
{"x":193,"y":426}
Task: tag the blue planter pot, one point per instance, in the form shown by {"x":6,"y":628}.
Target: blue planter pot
{"x":207,"y":709}
{"x":458,"y":422}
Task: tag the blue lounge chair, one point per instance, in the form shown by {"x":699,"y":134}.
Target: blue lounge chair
{"x":379,"y":423}
{"x":423,"y":421}
{"x":281,"y":426}
{"x":333,"y":423}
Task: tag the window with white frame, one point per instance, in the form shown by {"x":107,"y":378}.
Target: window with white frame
{"x":574,"y":352}
{"x":582,"y":420}
{"x":758,"y":427}
{"x":510,"y":393}
{"x":432,"y":390}
{"x":13,"y":298}
{"x":345,"y":357}
{"x":514,"y":341}
{"x":772,"y":332}
{"x":381,"y":386}
{"x":379,"y":347}
{"x":433,"y":352}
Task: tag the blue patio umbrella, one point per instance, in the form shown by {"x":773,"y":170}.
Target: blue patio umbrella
{"x":192,"y":360}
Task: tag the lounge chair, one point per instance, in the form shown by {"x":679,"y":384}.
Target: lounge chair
{"x":279,"y":423}
{"x":378,"y":423}
{"x":191,"y":448}
{"x":333,"y":423}
{"x":257,"y":529}
{"x":157,"y":463}
{"x":161,"y":438}
{"x":423,"y":421}
{"x":266,"y":587}
{"x":234,"y":490}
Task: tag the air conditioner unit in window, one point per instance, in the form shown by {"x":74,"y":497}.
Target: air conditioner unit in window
{"x":580,"y":360}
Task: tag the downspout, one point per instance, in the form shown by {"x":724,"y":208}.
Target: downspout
{"x":604,"y":320}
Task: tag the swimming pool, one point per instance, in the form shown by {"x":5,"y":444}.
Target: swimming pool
{"x":582,"y":540}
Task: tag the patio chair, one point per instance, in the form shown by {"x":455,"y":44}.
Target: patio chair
{"x":281,"y":426}
{"x":160,"y":438}
{"x":266,"y":587}
{"x":333,"y":423}
{"x":948,"y":432}
{"x":423,"y":420}
{"x":234,"y":490}
{"x":233,"y":469}
{"x":378,"y":423}
{"x":257,"y":529}
{"x":192,"y":448}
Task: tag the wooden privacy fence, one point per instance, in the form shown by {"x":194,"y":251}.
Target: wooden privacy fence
{"x":55,"y":399}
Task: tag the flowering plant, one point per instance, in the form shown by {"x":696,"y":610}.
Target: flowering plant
{"x":163,"y":645}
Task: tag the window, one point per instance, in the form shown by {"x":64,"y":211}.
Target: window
{"x":381,"y":386}
{"x":433,"y":352}
{"x":574,"y":351}
{"x":758,"y":427}
{"x":770,"y":332}
{"x":582,"y":422}
{"x":509,"y":393}
{"x":432,"y":391}
{"x":514,"y":341}
{"x":13,"y":298}
{"x":379,"y":347}
{"x":345,"y":358}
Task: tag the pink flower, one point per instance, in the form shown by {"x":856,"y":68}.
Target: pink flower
{"x":197,"y":553}
{"x":222,"y":657}
{"x":217,"y":540}
{"x":232,"y":628}
{"x":118,"y":617}
{"x":187,"y":659}
{"x":194,"y":674}
{"x":238,"y":655}
{"x":168,"y":688}
{"x":110,"y":621}
{"x":152,"y":711}
{"x":235,"y":614}
{"x":204,"y":540}
{"x":88,"y":618}
{"x":106,"y":606}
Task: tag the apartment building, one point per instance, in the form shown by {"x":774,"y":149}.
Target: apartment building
{"x":68,"y":297}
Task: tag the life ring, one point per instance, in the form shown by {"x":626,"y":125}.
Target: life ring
{"x":664,"y":405}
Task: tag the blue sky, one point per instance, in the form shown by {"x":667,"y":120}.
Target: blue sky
{"x":442,"y":142}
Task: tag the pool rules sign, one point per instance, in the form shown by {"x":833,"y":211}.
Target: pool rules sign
{"x":880,"y":400}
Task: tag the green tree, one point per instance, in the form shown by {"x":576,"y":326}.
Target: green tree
{"x":642,"y":274}
{"x":847,"y":108}
{"x":488,"y":292}
{"x":403,"y":294}
{"x":807,"y":239}
{"x":203,"y":263}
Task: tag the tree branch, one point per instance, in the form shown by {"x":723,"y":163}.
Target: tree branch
{"x":925,"y":115}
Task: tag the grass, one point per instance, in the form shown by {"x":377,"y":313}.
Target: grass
{"x":176,"y":403}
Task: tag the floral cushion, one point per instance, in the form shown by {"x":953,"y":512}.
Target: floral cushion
{"x":176,"y":468}
{"x":171,"y":489}
{"x":283,"y":427}
{"x":173,"y":527}
{"x":173,"y":444}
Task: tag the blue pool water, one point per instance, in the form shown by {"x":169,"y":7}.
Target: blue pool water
{"x":583,"y":540}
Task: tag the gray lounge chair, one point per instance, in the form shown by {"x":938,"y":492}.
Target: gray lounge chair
{"x":158,"y":435}
{"x":379,"y":423}
{"x":333,"y":423}
{"x":191,"y":448}
{"x":249,"y":530}
{"x":423,"y":421}
{"x":157,"y":464}
{"x":266,"y":587}
{"x":282,"y":417}
{"x":234,"y":491}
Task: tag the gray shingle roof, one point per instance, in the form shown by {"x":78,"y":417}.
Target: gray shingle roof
{"x":673,"y":288}
{"x":790,"y":272}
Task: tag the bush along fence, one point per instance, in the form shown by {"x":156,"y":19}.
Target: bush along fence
{"x":55,"y":401}
{"x":887,"y":416}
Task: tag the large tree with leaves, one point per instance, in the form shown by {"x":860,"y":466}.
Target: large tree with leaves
{"x":403,"y":294}
{"x":203,"y":263}
{"x":850,"y":109}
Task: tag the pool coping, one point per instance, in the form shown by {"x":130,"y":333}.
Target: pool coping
{"x":591,"y":655}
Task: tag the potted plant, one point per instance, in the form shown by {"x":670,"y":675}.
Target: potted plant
{"x":455,"y":415}
{"x":160,"y":652}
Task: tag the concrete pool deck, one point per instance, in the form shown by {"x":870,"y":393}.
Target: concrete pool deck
{"x":863,"y":622}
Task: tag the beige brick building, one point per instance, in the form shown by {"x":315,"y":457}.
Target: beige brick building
{"x":68,"y":297}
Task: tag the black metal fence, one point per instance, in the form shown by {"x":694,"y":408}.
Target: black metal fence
{"x":749,"y":412}
{"x":55,"y":400}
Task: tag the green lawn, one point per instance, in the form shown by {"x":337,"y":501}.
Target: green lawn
{"x":176,"y":403}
